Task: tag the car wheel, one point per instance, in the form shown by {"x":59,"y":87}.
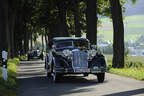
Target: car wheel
{"x":45,"y":64}
{"x":49,"y":74}
{"x":28,"y":59}
{"x":56,"y":77}
{"x":42,"y":58}
{"x":85,"y":74}
{"x":100,"y":77}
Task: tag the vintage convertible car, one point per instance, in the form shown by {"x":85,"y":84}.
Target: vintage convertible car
{"x":35,"y":54}
{"x":74,"y":56}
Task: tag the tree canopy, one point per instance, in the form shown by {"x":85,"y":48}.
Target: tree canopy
{"x":25,"y":20}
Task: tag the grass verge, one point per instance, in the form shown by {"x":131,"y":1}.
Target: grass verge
{"x":9,"y":87}
{"x":129,"y":72}
{"x":134,"y":67}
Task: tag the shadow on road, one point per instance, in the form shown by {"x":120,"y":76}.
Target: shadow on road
{"x":32,"y":81}
{"x":44,"y":86}
{"x":128,"y":93}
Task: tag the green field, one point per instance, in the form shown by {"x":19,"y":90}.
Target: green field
{"x":134,"y":28}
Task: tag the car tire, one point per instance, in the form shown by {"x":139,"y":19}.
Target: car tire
{"x":100,"y":77}
{"x":56,"y":77}
{"x":45,"y":66}
{"x":42,"y":58}
{"x":85,"y":74}
{"x":28,"y":59}
{"x":49,"y":74}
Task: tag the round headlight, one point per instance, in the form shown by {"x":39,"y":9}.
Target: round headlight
{"x":92,"y":52}
{"x":99,"y":53}
{"x":67,"y":52}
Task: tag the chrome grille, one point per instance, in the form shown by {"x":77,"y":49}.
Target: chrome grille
{"x":80,"y":59}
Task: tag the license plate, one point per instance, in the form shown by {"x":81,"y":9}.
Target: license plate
{"x":35,"y":57}
{"x":95,"y":70}
{"x":81,"y":70}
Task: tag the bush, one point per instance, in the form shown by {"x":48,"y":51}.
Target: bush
{"x":22,"y":57}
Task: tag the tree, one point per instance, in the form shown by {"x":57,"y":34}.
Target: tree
{"x":4,"y":32}
{"x":91,"y":19}
{"x":23,"y":19}
{"x":62,"y":18}
{"x":77,"y":18}
{"x":118,"y":33}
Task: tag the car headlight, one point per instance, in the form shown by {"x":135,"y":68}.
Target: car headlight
{"x":99,"y":53}
{"x":92,"y":52}
{"x":67,"y":52}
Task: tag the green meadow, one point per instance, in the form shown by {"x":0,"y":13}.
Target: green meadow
{"x":133,"y":27}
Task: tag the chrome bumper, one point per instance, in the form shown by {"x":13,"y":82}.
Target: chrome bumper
{"x":80,"y":70}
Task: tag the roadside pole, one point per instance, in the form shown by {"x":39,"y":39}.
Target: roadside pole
{"x":4,"y":65}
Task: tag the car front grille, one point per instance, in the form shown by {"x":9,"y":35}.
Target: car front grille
{"x":80,"y":59}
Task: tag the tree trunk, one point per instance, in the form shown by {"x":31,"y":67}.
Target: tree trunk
{"x":91,"y":20}
{"x":17,"y":35}
{"x":31,"y":41}
{"x":77,"y":18}
{"x":62,"y":19}
{"x":118,"y":28}
{"x":26,"y":40}
{"x":4,"y":32}
{"x":42,"y":37}
{"x":46,"y":41}
{"x":11,"y":30}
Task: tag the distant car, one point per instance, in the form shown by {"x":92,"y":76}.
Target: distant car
{"x":35,"y":54}
{"x":74,"y":56}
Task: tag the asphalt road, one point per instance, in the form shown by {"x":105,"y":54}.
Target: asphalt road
{"x":32,"y":81}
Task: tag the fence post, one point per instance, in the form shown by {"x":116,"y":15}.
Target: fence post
{"x":4,"y":63}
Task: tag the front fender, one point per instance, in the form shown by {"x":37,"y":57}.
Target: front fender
{"x":60,"y":62}
{"x":98,"y":62}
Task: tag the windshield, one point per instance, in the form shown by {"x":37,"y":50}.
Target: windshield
{"x":66,"y":44}
{"x":81,"y":44}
